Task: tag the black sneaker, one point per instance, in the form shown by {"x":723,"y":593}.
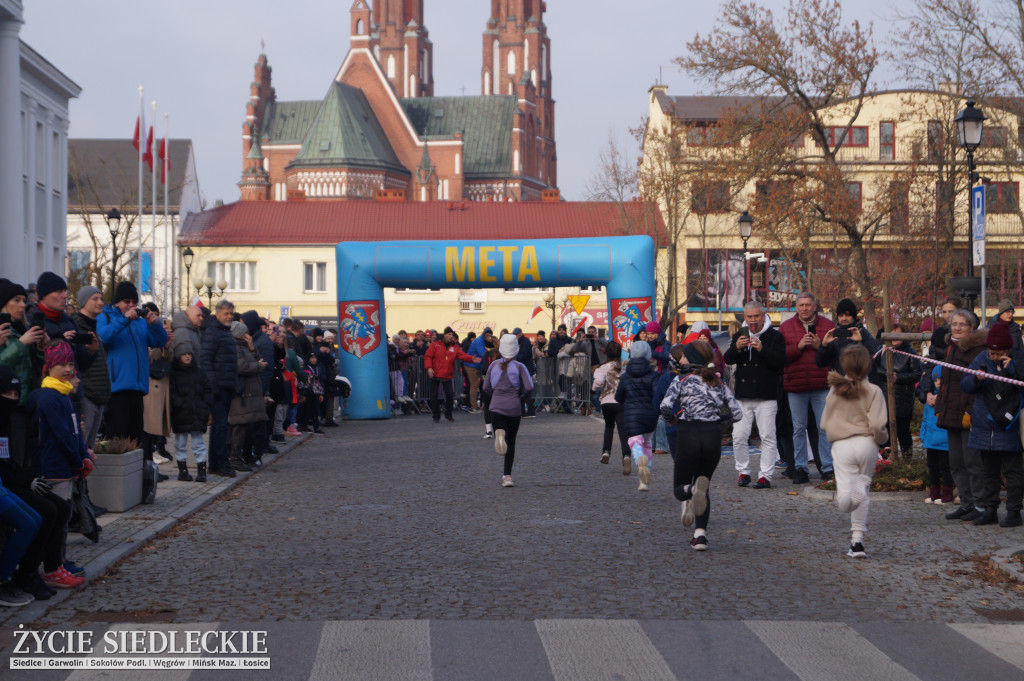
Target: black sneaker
{"x":987,"y":517}
{"x":699,"y":543}
{"x":12,"y":596}
{"x":762,"y":483}
{"x":240,"y":466}
{"x":743,"y":481}
{"x":857,"y":550}
{"x":971,"y":515}
{"x":800,"y":477}
{"x":225,"y":472}
{"x":827,"y":475}
{"x":449,"y":419}
{"x":958,"y":513}
{"x":1011,"y":519}
{"x":36,"y":588}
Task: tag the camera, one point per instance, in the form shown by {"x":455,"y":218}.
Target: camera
{"x":842,"y":332}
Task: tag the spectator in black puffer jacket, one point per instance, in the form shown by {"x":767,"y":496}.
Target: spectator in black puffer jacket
{"x":191,"y":397}
{"x":907,"y":372}
{"x":635,"y":393}
{"x":220,"y":362}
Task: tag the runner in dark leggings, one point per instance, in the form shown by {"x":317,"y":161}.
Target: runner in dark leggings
{"x":697,"y":400}
{"x":606,"y":380}
{"x":508,"y":385}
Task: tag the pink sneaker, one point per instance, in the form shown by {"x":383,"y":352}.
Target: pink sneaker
{"x":62,"y":579}
{"x":292,"y":430}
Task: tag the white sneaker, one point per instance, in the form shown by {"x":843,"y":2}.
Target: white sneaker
{"x":488,"y":434}
{"x":687,"y":516}
{"x":699,"y":501}
{"x":506,"y":480}
{"x":605,"y":456}
{"x":499,"y":444}
{"x":644,"y":472}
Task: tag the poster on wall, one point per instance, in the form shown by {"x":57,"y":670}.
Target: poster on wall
{"x":715,"y":279}
{"x":359,"y":322}
{"x":784,"y":282}
{"x":629,"y":317}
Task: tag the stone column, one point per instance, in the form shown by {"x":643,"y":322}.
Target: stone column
{"x":13,"y":258}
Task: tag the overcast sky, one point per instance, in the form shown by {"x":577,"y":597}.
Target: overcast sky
{"x":195,"y":58}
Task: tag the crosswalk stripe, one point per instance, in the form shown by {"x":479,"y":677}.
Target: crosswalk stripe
{"x":1002,"y":640}
{"x":844,"y":654}
{"x":582,"y":650}
{"x":382,"y":651}
{"x":155,"y":675}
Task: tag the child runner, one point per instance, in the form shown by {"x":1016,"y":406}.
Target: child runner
{"x":936,"y":445}
{"x":855,"y":421}
{"x":606,"y":380}
{"x":508,"y":385}
{"x":636,"y":395}
{"x":696,"y":401}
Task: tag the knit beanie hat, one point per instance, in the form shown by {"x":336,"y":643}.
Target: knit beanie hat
{"x":508,"y":346}
{"x":653,"y":327}
{"x":8,"y":290}
{"x":238,"y":329}
{"x":56,"y":354}
{"x":692,"y":355}
{"x":640,"y":350}
{"x":126,"y":291}
{"x":49,"y":282}
{"x":9,"y":380}
{"x":1004,"y":305}
{"x":999,"y":337}
{"x":182,"y":347}
{"x":85,"y":293}
{"x":449,"y":329}
{"x":846,"y":306}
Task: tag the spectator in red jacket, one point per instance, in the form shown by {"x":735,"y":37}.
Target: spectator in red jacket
{"x":805,"y":383}
{"x":439,"y":361}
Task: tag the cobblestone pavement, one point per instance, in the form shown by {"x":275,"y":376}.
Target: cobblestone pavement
{"x":405,"y":519}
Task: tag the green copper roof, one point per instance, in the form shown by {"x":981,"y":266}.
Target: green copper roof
{"x":254,"y":151}
{"x":288,"y":122}
{"x":485,"y":121}
{"x":345,"y":132}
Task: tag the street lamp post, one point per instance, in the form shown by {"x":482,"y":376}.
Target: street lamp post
{"x":114,"y":225}
{"x":186,"y":259}
{"x":550,"y":301}
{"x":208,"y":283}
{"x":969,"y":125}
{"x":746,"y":227}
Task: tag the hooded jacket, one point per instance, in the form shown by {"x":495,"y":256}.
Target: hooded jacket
{"x":220,"y":358}
{"x":758,"y":372}
{"x":128,"y":342}
{"x":952,"y":402}
{"x":986,"y":434}
{"x":636,"y":395}
{"x":264,"y":346}
{"x":184,"y":330}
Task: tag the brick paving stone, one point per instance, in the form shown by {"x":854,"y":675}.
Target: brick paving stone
{"x":405,"y":518}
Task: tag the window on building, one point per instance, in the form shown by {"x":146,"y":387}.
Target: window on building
{"x":899,"y":205}
{"x":314,"y":277}
{"x":591,"y":289}
{"x":837,"y":136}
{"x":240,"y":275}
{"x":78,"y":260}
{"x":769,"y":194}
{"x":702,"y":133}
{"x":471,"y":306}
{"x":854,"y":188}
{"x":935,"y":141}
{"x":1001,"y":197}
{"x":993,"y":137}
{"x":710,"y":197}
{"x":887,"y":141}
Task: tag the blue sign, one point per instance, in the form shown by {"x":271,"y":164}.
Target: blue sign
{"x":978,"y":211}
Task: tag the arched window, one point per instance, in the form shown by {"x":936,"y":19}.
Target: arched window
{"x":496,"y":70}
{"x":511,"y":63}
{"x":391,"y":66}
{"x":359,"y":27}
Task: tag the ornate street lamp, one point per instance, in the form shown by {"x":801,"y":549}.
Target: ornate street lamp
{"x":208,"y":283}
{"x":114,"y":225}
{"x":186,"y":259}
{"x":746,"y":223}
{"x":969,"y":125}
{"x":551,"y":302}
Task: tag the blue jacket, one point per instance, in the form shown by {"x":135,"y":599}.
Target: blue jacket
{"x":127,"y":343}
{"x":61,"y":447}
{"x":932,"y":436}
{"x":986,"y":434}
{"x":636,"y":395}
{"x":477,"y":349}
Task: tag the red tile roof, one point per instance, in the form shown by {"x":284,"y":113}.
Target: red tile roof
{"x":329,"y":222}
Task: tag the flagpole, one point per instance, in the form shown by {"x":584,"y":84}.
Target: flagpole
{"x":171,"y":299}
{"x":152,"y":258}
{"x":138,"y":216}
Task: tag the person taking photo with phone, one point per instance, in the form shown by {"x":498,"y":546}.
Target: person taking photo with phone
{"x":21,"y":349}
{"x":848,"y":331}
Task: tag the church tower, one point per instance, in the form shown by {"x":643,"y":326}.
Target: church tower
{"x":517,"y":62}
{"x":393,"y":30}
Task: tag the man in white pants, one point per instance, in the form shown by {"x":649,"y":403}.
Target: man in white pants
{"x":758,"y":351}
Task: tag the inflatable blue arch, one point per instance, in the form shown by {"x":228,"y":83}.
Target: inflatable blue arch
{"x":624,"y":265}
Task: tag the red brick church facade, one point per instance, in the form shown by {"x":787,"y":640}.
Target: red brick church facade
{"x":380,"y":132}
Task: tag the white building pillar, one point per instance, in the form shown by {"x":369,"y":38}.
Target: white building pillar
{"x":14,"y":261}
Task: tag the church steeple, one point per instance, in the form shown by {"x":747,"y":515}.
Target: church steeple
{"x":393,"y":30}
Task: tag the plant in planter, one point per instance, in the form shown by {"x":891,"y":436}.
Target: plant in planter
{"x":116,"y":481}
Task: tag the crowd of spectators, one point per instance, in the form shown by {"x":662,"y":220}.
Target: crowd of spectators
{"x":72,"y":376}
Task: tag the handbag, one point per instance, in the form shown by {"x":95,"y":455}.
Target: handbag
{"x":159,"y":368}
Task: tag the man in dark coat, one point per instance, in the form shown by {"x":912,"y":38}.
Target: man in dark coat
{"x":848,"y":331}
{"x":220,"y":362}
{"x":96,"y":379}
{"x":758,"y":352}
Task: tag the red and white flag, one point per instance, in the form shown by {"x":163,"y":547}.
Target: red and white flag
{"x":197,"y":301}
{"x":165,"y":160}
{"x":536,"y":311}
{"x":147,"y":154}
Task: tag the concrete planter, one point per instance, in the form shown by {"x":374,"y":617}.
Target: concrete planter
{"x":116,"y":481}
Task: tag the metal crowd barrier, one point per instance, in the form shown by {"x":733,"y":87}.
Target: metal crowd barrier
{"x":561,"y":385}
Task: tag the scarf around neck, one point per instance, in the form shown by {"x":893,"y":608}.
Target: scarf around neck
{"x":61,"y":386}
